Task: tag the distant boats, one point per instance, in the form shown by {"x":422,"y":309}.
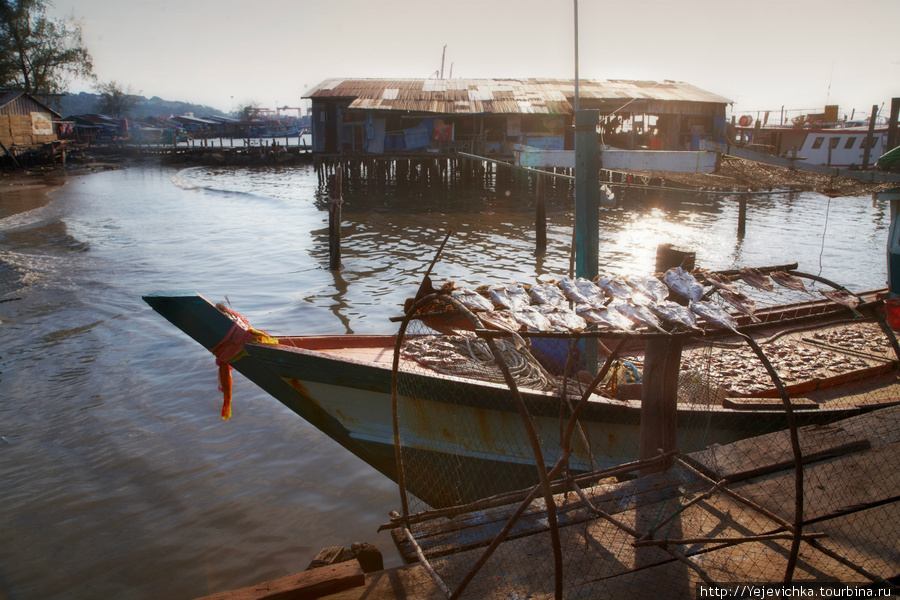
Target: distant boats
{"x":273,"y":132}
{"x":829,"y":144}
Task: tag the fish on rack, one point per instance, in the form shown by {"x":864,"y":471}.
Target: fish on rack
{"x":789,"y":281}
{"x":471,"y":299}
{"x":756,"y":278}
{"x":548,"y":294}
{"x":518,"y":296}
{"x":649,"y":286}
{"x":509,"y":298}
{"x":844,"y":297}
{"x":561,"y":317}
{"x":684,"y":284}
{"x":720,"y":281}
{"x":640,"y":315}
{"x":531,"y":318}
{"x":603,"y":316}
{"x":615,"y":287}
{"x":674,"y":313}
{"x":581,"y":291}
{"x":741,"y":302}
{"x":714,"y":315}
{"x":499,"y":320}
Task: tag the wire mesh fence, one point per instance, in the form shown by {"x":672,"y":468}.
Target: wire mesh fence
{"x":645,"y":458}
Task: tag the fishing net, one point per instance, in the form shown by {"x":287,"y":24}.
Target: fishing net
{"x":645,"y":464}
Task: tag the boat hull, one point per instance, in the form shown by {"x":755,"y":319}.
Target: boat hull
{"x":476,"y":423}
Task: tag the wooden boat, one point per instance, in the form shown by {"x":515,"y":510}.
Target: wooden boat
{"x":835,"y":145}
{"x":342,"y":385}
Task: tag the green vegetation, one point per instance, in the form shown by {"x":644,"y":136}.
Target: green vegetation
{"x":39,"y":54}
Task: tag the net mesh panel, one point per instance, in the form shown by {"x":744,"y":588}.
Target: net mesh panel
{"x":725,"y":507}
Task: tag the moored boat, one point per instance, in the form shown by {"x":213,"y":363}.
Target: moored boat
{"x":343,"y":386}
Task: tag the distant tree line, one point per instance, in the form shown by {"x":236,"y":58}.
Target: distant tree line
{"x":86,"y":103}
{"x":41,"y":55}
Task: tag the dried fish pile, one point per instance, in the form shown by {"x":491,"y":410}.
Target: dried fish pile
{"x":469,"y":356}
{"x":739,"y":371}
{"x":864,"y":338}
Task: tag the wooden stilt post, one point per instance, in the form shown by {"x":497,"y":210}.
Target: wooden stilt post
{"x":869,"y":137}
{"x":659,"y":416}
{"x":742,"y":217}
{"x":892,"y":139}
{"x":334,"y":220}
{"x":540,"y":217}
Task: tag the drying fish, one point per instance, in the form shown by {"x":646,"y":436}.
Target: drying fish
{"x":841,"y":297}
{"x":649,"y":286}
{"x":789,"y":281}
{"x":614,"y":286}
{"x":683,"y":283}
{"x":581,"y":291}
{"x":720,"y":281}
{"x":714,"y":315}
{"x":740,"y":302}
{"x":757,"y":279}
{"x":531,"y":319}
{"x":604,"y":317}
{"x":674,"y":313}
{"x":547,"y":294}
{"x":641,"y":315}
{"x":571,"y":291}
{"x":508,"y":298}
{"x":471,"y":299}
{"x":563,"y":318}
{"x":593,"y":293}
{"x":518,"y":296}
{"x":499,"y":320}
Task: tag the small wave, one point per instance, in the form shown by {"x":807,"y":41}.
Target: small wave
{"x":180,"y":179}
{"x":27,"y":219}
{"x":186,"y":179}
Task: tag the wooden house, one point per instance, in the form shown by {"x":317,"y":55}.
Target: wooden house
{"x":25,"y":122}
{"x":359,"y":117}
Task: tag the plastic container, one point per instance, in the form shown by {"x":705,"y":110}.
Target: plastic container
{"x":892,"y":312}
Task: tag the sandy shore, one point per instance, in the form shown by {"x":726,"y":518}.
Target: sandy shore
{"x":22,"y":191}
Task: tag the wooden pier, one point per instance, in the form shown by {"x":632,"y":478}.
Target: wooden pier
{"x":721,"y":516}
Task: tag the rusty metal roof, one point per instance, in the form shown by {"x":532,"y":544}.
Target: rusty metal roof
{"x":21,"y":103}
{"x":513,"y":96}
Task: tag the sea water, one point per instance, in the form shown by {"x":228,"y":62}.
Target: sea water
{"x":118,"y":478}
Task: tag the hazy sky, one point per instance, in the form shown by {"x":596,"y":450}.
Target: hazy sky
{"x":761,"y":54}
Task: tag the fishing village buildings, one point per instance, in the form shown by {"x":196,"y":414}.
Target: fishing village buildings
{"x":487,"y":116}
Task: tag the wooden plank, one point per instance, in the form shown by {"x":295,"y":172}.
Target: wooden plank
{"x":476,"y":530}
{"x":410,"y":581}
{"x":747,"y":455}
{"x":834,"y":487}
{"x":301,"y":586}
{"x":750,"y":403}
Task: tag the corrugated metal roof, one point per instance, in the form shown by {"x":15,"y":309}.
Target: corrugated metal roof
{"x":21,"y":103}
{"x":513,"y":96}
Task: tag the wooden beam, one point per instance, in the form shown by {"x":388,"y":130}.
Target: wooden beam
{"x":307,"y":585}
